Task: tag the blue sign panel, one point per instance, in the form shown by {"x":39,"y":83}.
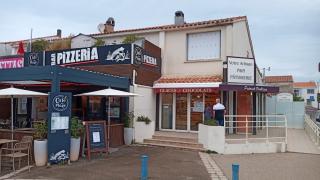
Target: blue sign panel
{"x":97,"y":136}
{"x":59,"y":115}
{"x":141,"y":57}
{"x":33,"y":59}
{"x":115,"y":54}
{"x":111,"y":54}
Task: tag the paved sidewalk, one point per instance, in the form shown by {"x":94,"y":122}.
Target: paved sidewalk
{"x":298,"y":141}
{"x":164,"y":163}
{"x":275,"y":166}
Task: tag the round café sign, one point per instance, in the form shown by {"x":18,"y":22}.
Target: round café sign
{"x":60,"y":103}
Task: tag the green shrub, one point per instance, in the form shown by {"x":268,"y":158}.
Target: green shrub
{"x":211,"y":122}
{"x":76,"y":127}
{"x":41,"y":130}
{"x":143,"y":119}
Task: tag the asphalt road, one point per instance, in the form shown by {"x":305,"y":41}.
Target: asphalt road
{"x":276,"y":166}
{"x":164,"y":163}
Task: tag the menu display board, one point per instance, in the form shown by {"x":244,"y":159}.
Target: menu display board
{"x":96,"y":137}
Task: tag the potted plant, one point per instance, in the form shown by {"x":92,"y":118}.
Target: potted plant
{"x":144,"y":128}
{"x":144,"y":119}
{"x":76,"y":131}
{"x":41,"y":143}
{"x":128,"y":130}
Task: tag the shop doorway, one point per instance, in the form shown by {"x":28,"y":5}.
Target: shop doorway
{"x":185,"y":111}
{"x":244,"y":108}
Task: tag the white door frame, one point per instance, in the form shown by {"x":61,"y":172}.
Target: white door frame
{"x":174,"y":113}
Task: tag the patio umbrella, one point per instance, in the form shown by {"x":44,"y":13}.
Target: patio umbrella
{"x":16,"y":93}
{"x":109,"y":93}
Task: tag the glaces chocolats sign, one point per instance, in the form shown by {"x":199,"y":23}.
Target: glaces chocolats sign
{"x":185,"y":90}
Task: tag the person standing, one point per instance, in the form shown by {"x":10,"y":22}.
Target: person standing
{"x":219,"y":111}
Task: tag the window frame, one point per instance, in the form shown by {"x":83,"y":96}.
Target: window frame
{"x":202,"y":59}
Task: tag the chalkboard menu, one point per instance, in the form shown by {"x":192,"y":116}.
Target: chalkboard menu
{"x":96,"y":137}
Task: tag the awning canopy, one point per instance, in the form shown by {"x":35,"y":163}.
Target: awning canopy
{"x":249,"y":87}
{"x":187,"y":84}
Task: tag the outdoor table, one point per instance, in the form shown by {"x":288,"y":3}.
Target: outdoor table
{"x":6,"y":141}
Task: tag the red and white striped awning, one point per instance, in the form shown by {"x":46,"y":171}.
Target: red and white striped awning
{"x":187,"y":84}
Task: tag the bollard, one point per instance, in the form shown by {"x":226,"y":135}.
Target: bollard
{"x":144,"y":167}
{"x":235,"y":171}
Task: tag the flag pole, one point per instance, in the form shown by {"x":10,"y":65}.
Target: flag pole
{"x":30,"y":41}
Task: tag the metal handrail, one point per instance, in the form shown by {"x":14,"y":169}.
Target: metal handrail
{"x":264,"y":124}
{"x":314,"y":127}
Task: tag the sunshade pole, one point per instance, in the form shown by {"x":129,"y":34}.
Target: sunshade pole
{"x":11,"y":117}
{"x":108,"y":123}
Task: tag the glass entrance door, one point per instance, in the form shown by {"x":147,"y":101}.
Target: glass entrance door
{"x":166,"y":109}
{"x":196,"y":109}
{"x":182,"y":111}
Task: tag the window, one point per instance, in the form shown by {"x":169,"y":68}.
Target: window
{"x":296,"y":92}
{"x":203,"y":46}
{"x":310,"y":91}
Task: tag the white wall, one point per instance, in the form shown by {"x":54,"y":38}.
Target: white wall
{"x":144,"y":105}
{"x":241,"y":42}
{"x":82,"y":41}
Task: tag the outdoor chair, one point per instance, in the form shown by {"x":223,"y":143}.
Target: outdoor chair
{"x":28,"y":139}
{"x":18,"y":151}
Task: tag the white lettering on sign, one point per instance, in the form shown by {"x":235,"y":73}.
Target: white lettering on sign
{"x":10,"y":63}
{"x":72,"y":56}
{"x":240,"y":70}
{"x":148,"y":60}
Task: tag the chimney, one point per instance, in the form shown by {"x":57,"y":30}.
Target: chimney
{"x":178,"y":18}
{"x":109,"y":25}
{"x":59,"y":32}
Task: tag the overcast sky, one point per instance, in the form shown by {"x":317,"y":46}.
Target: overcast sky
{"x":285,"y":34}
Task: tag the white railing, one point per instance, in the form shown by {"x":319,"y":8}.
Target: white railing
{"x":255,"y":128}
{"x":312,"y":129}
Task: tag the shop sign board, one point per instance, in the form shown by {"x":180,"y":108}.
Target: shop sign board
{"x":110,"y":54}
{"x":59,"y":113}
{"x":246,"y":87}
{"x":11,"y":62}
{"x":240,"y":70}
{"x":185,"y":90}
{"x":140,"y":56}
{"x":33,"y":59}
{"x":284,"y":97}
{"x":96,"y":137}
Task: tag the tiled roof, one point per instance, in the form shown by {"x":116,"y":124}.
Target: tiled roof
{"x":33,"y":39}
{"x":279,"y":79}
{"x":217,"y":22}
{"x":310,"y":84}
{"x":189,"y":79}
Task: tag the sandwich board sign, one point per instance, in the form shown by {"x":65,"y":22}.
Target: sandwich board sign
{"x":96,"y":137}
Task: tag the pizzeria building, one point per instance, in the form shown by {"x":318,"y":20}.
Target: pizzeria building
{"x":178,"y":69}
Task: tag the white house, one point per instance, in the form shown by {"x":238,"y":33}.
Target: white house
{"x":307,"y":91}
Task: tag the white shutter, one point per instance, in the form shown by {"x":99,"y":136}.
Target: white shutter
{"x":204,"y":46}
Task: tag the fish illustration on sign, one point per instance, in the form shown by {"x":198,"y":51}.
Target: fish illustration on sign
{"x":117,"y":55}
{"x":59,"y":156}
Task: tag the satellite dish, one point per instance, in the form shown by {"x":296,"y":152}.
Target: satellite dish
{"x":101,"y":27}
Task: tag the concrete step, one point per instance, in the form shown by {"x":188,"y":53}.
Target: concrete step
{"x":171,"y":138}
{"x":174,"y":146}
{"x":174,"y":143}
